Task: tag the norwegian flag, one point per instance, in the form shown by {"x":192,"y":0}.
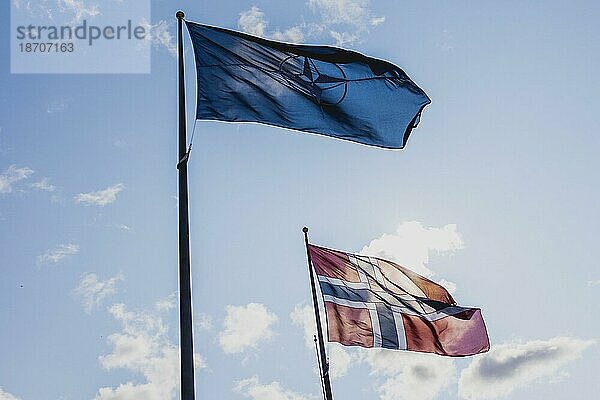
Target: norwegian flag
{"x":370,"y":302}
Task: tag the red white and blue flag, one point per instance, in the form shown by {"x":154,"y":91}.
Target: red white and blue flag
{"x":370,"y":302}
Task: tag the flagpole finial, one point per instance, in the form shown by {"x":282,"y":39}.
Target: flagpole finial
{"x":180,"y":15}
{"x":305,"y":230}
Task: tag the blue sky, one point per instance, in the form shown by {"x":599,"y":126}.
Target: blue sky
{"x":494,"y":196}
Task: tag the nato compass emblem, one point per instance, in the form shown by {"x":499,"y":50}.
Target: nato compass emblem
{"x":324,"y":82}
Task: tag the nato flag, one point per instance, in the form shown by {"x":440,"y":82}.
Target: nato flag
{"x":319,"y":89}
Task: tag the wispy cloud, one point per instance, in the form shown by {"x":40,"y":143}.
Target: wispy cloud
{"x":44,"y":184}
{"x":246,"y":327}
{"x":36,"y":8}
{"x":12,"y":176}
{"x":413,"y":243}
{"x":160,"y":35}
{"x":58,"y":254}
{"x":344,"y":21}
{"x":93,"y":291}
{"x":352,"y":12}
{"x":101,"y":197}
{"x":253,"y":389}
{"x":510,"y":366}
{"x":254,"y":21}
{"x":79,"y":9}
{"x":142,"y":346}
{"x":7,"y":396}
{"x":594,"y":282}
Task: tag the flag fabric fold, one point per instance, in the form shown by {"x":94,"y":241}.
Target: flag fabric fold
{"x":318,"y":89}
{"x":371,"y":302}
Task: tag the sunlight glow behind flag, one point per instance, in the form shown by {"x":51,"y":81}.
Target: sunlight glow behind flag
{"x":318,"y":89}
{"x":370,"y":302}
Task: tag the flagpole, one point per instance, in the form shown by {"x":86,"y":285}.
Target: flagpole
{"x":324,"y":364}
{"x":185,"y":287}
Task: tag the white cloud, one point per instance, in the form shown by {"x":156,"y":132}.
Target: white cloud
{"x":7,"y":396}
{"x":513,"y":365}
{"x":143,"y":347}
{"x":340,"y":359}
{"x":253,"y":389}
{"x":93,"y":291}
{"x":345,"y":21}
{"x":404,"y":375}
{"x":412,"y":244}
{"x":246,"y":327}
{"x":58,"y":254}
{"x":594,"y":283}
{"x":160,"y":35}
{"x":254,"y":22}
{"x":36,"y":8}
{"x":343,"y":38}
{"x":44,"y":184}
{"x":11,"y":176}
{"x":101,"y":197}
{"x":79,"y":9}
{"x":351,"y":12}
{"x":294,"y":34}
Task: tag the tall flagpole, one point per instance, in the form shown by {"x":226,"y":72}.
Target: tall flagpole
{"x":324,"y":364}
{"x":185,"y":286}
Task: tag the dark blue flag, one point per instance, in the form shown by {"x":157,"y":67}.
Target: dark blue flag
{"x":319,"y":89}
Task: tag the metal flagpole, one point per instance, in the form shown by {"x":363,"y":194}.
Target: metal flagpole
{"x":185,"y":286}
{"x":324,"y":364}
